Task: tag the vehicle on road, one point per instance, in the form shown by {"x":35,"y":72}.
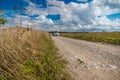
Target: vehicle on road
{"x":55,"y":33}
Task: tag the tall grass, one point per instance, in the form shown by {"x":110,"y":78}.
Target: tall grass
{"x":104,"y":37}
{"x":29,"y":55}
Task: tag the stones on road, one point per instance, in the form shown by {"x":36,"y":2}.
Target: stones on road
{"x":90,"y":60}
{"x":112,"y":66}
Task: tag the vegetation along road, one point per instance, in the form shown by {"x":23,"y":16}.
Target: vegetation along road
{"x":90,"y":60}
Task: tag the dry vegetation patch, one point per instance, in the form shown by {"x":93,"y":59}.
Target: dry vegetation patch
{"x":29,"y":55}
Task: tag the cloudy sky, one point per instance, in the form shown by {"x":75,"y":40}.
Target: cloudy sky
{"x":63,"y":15}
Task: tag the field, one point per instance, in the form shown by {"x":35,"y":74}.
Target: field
{"x":104,"y":37}
{"x":29,"y":55}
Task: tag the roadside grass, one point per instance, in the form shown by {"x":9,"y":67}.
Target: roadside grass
{"x":104,"y":37}
{"x":29,"y":55}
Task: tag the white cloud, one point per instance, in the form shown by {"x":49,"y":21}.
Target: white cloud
{"x":75,"y":16}
{"x":112,"y":3}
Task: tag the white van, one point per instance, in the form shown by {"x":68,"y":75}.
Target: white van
{"x":55,"y":33}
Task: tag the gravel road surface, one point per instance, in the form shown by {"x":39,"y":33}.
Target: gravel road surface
{"x":89,"y":60}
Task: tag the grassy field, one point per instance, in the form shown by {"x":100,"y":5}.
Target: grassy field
{"x":104,"y":37}
{"x":29,"y":55}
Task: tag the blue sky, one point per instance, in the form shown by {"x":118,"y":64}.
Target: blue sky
{"x":114,"y":16}
{"x":63,"y":15}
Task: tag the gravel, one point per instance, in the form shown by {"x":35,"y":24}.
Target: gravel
{"x":90,"y":60}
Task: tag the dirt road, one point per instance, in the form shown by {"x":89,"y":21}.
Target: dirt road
{"x":89,"y":60}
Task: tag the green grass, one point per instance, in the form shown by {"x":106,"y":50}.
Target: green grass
{"x":104,"y":37}
{"x":29,"y":55}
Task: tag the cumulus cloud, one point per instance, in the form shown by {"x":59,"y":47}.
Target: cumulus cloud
{"x":112,"y":3}
{"x":76,"y":16}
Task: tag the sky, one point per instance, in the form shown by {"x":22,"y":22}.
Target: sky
{"x":63,"y":15}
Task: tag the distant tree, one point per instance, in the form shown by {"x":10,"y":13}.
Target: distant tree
{"x":2,"y":20}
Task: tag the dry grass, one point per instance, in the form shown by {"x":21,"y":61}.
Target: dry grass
{"x":29,"y":55}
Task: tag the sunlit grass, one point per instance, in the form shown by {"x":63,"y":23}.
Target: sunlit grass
{"x":29,"y":55}
{"x":104,"y":37}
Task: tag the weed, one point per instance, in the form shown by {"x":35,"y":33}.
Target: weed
{"x":29,"y":55}
{"x":79,"y":61}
